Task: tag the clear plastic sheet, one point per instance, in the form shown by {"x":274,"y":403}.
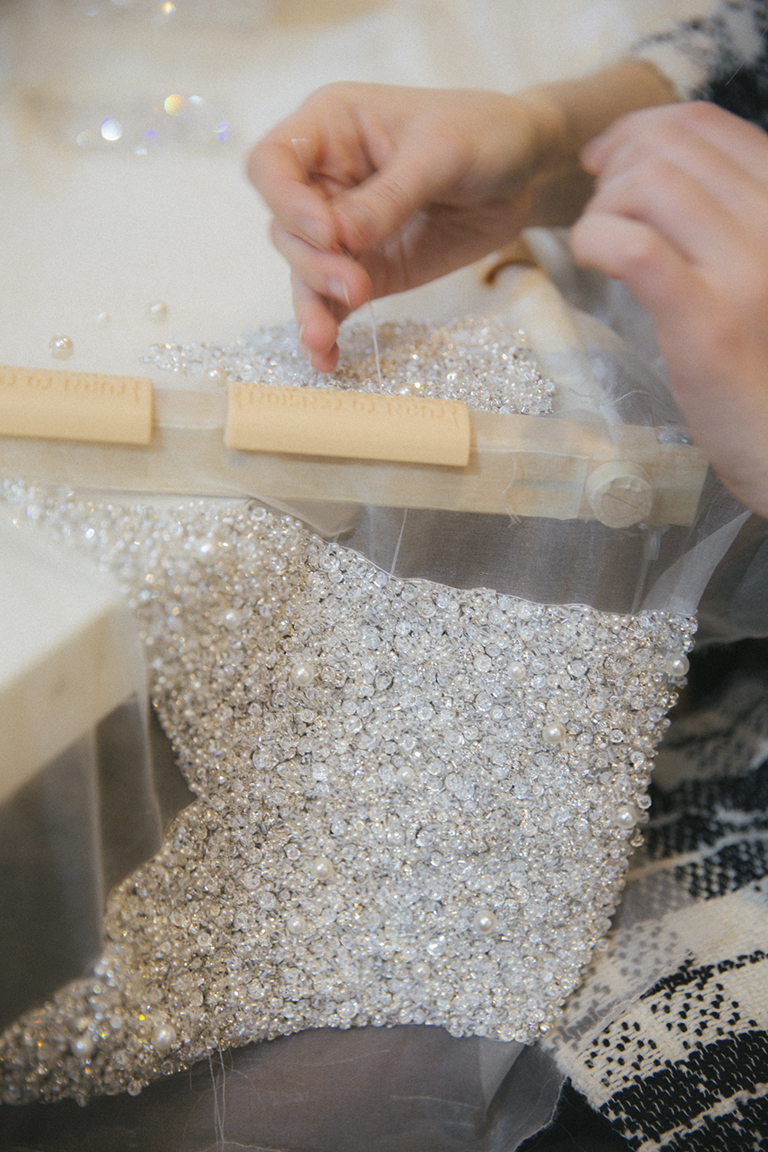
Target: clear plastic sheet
{"x":602,"y":383}
{"x":65,"y":841}
{"x":524,"y":518}
{"x":80,"y":804}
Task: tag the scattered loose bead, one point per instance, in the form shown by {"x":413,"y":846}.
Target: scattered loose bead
{"x":322,"y":868}
{"x":627,"y":816}
{"x":157,"y":311}
{"x":83,"y":1046}
{"x":61,"y":347}
{"x":164,"y":1039}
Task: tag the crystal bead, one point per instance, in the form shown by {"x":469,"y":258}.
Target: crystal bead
{"x":61,"y":347}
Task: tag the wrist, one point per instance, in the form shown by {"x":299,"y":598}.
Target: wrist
{"x":566,"y":115}
{"x":589,"y":104}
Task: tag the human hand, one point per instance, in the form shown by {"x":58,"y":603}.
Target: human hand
{"x":680,"y":214}
{"x":376,"y":189}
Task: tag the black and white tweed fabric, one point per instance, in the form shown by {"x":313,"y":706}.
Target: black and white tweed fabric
{"x":720,"y":54}
{"x":668,"y":1038}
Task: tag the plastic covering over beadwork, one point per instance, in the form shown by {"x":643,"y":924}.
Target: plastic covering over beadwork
{"x":582,"y":485}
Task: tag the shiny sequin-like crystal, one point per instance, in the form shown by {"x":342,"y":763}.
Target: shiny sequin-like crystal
{"x":477,"y":360}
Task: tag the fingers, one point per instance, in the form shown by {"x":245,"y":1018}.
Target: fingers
{"x":695,"y":172}
{"x":418,"y":170}
{"x":318,"y":323}
{"x":633,"y":251}
{"x":673,"y":170}
{"x":681,"y":207}
{"x":376,"y":189}
{"x":278,"y":174}
{"x":333,"y":275}
{"x":681,"y":215}
{"x":743,"y":143}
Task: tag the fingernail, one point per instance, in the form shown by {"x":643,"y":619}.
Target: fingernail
{"x":337,"y":288}
{"x":315,"y":232}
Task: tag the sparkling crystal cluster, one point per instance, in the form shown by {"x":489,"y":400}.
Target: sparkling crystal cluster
{"x":471,"y":359}
{"x":415,"y":803}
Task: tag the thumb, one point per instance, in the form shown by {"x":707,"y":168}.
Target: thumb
{"x":420,"y":172}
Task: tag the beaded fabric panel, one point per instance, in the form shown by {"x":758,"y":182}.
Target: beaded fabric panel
{"x":415,"y":803}
{"x":477,"y":360}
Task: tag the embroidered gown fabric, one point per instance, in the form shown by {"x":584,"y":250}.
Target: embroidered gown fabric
{"x":683,"y":1067}
{"x":415,"y":800}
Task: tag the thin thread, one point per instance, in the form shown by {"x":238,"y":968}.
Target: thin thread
{"x":396,"y":556}
{"x":375,"y":344}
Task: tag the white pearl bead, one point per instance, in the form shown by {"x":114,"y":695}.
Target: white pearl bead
{"x":101,"y":319}
{"x":84,"y":1046}
{"x":627,"y":816}
{"x":321,"y":868}
{"x":553,"y":732}
{"x":296,"y":925}
{"x":206,"y":551}
{"x":484,"y":921}
{"x":157,"y":311}
{"x":421,"y":970}
{"x":164,"y":1039}
{"x":516,"y":671}
{"x":677,"y":666}
{"x":61,"y":347}
{"x":303,"y":673}
{"x":406,"y":775}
